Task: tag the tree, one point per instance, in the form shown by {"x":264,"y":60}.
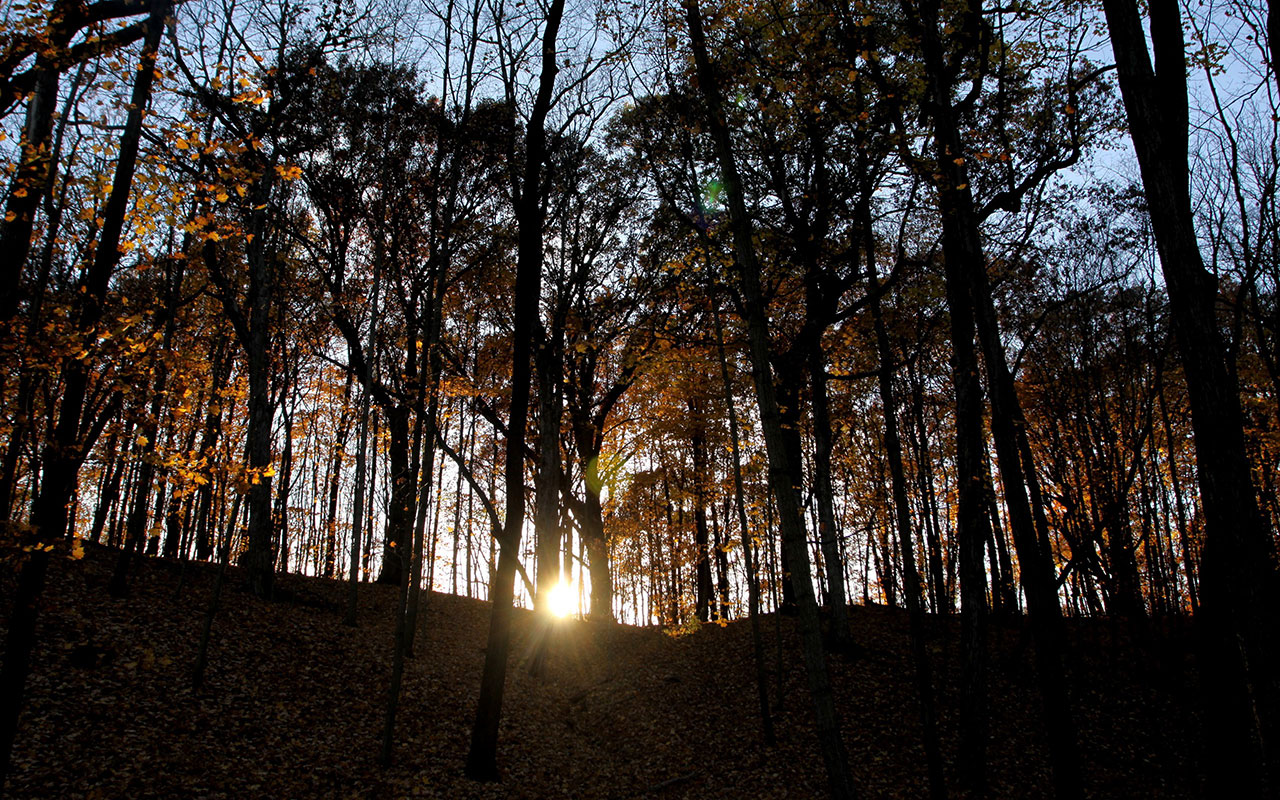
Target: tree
{"x":1240,"y":584}
{"x":48,"y":39}
{"x":614,"y":307}
{"x":482,"y":756}
{"x":75,"y":431}
{"x":780,"y":471}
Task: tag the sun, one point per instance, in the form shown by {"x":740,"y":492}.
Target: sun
{"x":562,"y":601}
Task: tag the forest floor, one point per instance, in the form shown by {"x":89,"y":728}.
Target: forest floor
{"x":294,"y":700}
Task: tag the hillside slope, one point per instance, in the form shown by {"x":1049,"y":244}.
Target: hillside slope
{"x":293,"y":702}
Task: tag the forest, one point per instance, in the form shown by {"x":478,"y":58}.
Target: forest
{"x":666,"y":315}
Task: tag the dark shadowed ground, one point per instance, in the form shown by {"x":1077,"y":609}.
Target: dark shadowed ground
{"x":293,"y":702}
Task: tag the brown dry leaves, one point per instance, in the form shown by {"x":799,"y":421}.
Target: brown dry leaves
{"x":294,"y":700}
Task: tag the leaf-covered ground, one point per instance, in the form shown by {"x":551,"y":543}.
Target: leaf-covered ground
{"x":293,"y":702}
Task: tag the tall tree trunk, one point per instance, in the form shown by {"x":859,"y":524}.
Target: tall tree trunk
{"x":366,"y":555}
{"x":11,"y":230}
{"x":938,"y":591}
{"x":34,"y":168}
{"x":966,"y":274}
{"x":781,"y":471}
{"x":482,"y":759}
{"x":280,"y":513}
{"x":407,"y":541}
{"x":546,"y":522}
{"x":1004,"y":598}
{"x":73,"y":434}
{"x":789,"y":421}
{"x":719,"y":549}
{"x":597,"y":547}
{"x":428,"y":434}
{"x":973,"y":522}
{"x":404,"y":488}
{"x":357,"y":510}
{"x":260,"y":558}
{"x":360,"y":520}
{"x":336,"y":457}
{"x":1240,"y":589}
{"x":824,"y":495}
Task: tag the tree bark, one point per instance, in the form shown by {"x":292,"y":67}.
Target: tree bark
{"x":967,"y":284}
{"x":404,"y":489}
{"x":357,"y":510}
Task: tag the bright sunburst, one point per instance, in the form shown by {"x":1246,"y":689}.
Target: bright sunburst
{"x":562,"y":601}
